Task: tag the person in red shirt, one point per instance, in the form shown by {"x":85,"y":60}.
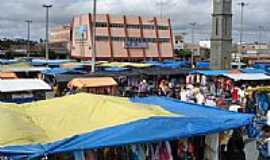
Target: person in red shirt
{"x":235,"y":95}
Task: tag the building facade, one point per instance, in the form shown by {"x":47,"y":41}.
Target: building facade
{"x":60,"y":39}
{"x":122,"y":37}
{"x":221,"y":38}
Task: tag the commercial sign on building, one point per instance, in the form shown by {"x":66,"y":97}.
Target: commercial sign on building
{"x":136,"y":45}
{"x":81,"y":33}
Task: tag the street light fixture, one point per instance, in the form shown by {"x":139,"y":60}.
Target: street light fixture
{"x":47,"y":6}
{"x":28,"y":37}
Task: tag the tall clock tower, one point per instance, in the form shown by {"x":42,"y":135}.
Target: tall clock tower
{"x":221,"y":39}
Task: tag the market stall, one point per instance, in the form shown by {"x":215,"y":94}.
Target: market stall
{"x":23,"y":90}
{"x":86,"y":122}
{"x":95,"y":85}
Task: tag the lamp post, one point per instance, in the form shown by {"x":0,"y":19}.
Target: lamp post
{"x":47,"y":6}
{"x":193,"y":25}
{"x":242,"y":6}
{"x":93,"y":64}
{"x":28,"y":37}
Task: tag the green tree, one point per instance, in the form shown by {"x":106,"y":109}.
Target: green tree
{"x":183,"y":53}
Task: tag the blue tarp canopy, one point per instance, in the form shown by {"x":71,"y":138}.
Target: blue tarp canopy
{"x":189,"y":120}
{"x":54,"y":71}
{"x":7,"y":61}
{"x":253,"y":70}
{"x":169,"y":64}
{"x":40,"y":62}
{"x":211,"y":72}
{"x":202,"y":64}
{"x":115,"y":69}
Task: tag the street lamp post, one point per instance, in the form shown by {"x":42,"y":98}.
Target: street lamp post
{"x":93,"y":68}
{"x":47,"y":29}
{"x":242,"y":6}
{"x":192,"y":40}
{"x":28,"y":37}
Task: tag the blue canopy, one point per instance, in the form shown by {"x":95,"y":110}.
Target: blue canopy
{"x":211,"y":72}
{"x":115,"y":69}
{"x":169,"y":64}
{"x":54,"y":71}
{"x":7,"y":61}
{"x":253,"y":70}
{"x":39,"y":62}
{"x":202,"y":64}
{"x":189,"y":120}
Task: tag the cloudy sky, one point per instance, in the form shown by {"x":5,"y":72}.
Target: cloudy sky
{"x":13,"y":13}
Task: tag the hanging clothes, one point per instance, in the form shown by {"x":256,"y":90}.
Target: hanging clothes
{"x":212,"y":147}
{"x":91,"y":155}
{"x":137,"y":152}
{"x":165,"y":152}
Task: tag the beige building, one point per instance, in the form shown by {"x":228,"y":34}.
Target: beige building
{"x":60,"y":39}
{"x":122,"y":37}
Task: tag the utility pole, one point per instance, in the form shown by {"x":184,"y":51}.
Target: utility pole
{"x":93,"y":68}
{"x":161,"y":5}
{"x":28,"y":37}
{"x":242,"y":6}
{"x":47,"y":30}
{"x":261,"y":29}
{"x":193,"y":25}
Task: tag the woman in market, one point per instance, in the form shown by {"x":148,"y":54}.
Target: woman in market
{"x":236,"y":145}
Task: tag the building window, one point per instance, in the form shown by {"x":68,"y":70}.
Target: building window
{"x":133,"y":39}
{"x":226,"y":26}
{"x":217,"y":26}
{"x":163,"y":27}
{"x":101,"y":24}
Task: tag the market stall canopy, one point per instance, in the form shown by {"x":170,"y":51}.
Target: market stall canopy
{"x":65,"y":78}
{"x":247,"y":76}
{"x":8,"y":75}
{"x":86,"y":121}
{"x":7,"y":61}
{"x":172,"y":64}
{"x":211,"y":72}
{"x":23,"y":69}
{"x":55,"y":71}
{"x":124,"y":65}
{"x":253,"y":70}
{"x":40,"y":62}
{"x":19,"y":85}
{"x":93,"y":82}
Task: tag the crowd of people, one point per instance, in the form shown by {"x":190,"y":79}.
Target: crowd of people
{"x":217,"y":92}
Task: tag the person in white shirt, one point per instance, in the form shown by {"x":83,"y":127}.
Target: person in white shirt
{"x":199,"y":97}
{"x":183,"y":95}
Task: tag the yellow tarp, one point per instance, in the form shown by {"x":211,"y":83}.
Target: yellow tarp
{"x":56,"y":119}
{"x":92,"y":82}
{"x":125,"y":64}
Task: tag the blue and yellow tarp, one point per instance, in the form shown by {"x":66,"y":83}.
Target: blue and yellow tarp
{"x":86,"y":121}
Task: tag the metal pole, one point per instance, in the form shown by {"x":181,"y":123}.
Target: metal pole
{"x":28,"y":37}
{"x":261,"y":28}
{"x":93,"y":68}
{"x":260,"y":41}
{"x":242,"y":6}
{"x":192,"y":40}
{"x":47,"y":31}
